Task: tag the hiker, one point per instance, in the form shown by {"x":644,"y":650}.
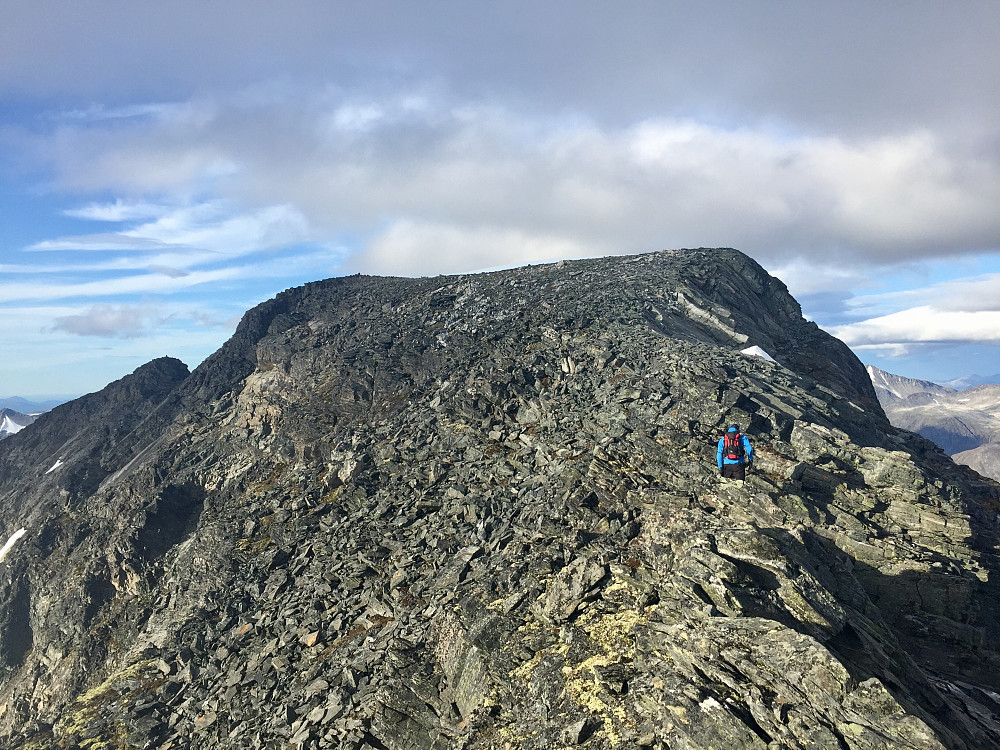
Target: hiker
{"x":735,"y":454}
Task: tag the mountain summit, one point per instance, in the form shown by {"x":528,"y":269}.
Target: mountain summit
{"x":483,"y":511}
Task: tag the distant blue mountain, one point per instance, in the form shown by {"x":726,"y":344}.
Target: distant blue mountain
{"x":969,"y":381}
{"x":25,"y":406}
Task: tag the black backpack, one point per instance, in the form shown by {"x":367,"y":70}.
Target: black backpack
{"x":733,"y":446}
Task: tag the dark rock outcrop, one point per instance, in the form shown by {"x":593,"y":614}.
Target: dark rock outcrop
{"x":483,"y":512}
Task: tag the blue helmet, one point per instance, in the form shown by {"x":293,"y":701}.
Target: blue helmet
{"x":733,"y":428}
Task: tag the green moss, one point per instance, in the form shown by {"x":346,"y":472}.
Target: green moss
{"x":83,"y":712}
{"x":255,"y":545}
{"x":333,"y":495}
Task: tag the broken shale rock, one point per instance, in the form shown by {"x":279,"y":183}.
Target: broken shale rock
{"x":483,"y":511}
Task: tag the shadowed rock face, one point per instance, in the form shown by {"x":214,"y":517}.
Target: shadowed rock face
{"x":483,"y":512}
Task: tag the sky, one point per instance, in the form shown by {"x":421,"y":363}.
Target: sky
{"x":166,"y":166}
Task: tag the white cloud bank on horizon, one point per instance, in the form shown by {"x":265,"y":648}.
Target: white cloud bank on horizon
{"x":311,"y":168}
{"x":953,"y":312}
{"x":897,"y":332}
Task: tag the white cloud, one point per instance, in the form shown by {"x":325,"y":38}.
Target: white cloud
{"x":293,"y":167}
{"x":146,"y":283}
{"x":214,"y":227}
{"x":118,"y":211}
{"x":312,"y":261}
{"x":970,"y":295}
{"x":906,"y":191}
{"x":100,"y":242}
{"x":412,"y":249}
{"x":356,"y":117}
{"x":181,"y":238}
{"x":170,"y":263}
{"x":923,"y":324}
{"x":805,"y":276}
{"x":113,"y":321}
{"x":957,"y":311}
{"x":976,"y":293}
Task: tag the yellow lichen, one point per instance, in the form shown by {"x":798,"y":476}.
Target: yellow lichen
{"x":680,"y":712}
{"x":86,"y":707}
{"x":525,"y":671}
{"x":610,"y":631}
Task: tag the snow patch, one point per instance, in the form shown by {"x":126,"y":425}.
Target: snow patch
{"x":55,"y":466}
{"x":10,"y":426}
{"x":756,"y":351}
{"x":879,"y":380}
{"x":11,"y":542}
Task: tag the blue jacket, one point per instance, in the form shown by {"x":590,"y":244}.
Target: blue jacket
{"x":747,"y":449}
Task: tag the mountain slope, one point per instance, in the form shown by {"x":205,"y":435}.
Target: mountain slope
{"x":985,"y":459}
{"x":12,"y":422}
{"x":483,"y":512}
{"x":965,"y":424}
{"x":896,"y":388}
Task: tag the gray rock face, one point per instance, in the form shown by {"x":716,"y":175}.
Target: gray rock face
{"x":483,"y":512}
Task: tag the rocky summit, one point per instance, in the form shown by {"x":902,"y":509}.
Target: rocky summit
{"x":483,"y":511}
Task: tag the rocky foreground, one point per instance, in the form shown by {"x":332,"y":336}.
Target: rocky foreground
{"x":483,"y":512}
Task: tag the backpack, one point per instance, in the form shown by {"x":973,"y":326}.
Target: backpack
{"x":733,"y":449}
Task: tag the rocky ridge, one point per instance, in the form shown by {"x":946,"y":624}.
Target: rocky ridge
{"x":483,"y":512}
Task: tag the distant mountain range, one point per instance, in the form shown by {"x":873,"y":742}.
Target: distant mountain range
{"x":964,"y":423}
{"x":16,"y":413}
{"x":968,"y":381}
{"x":26,"y":406}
